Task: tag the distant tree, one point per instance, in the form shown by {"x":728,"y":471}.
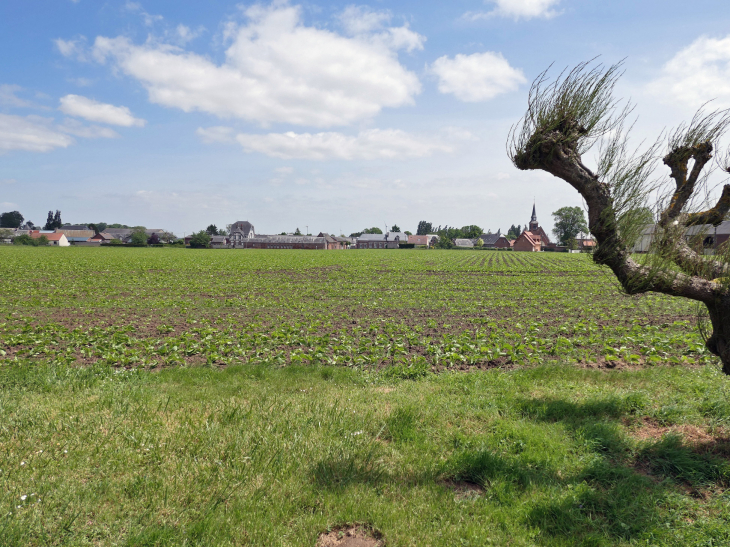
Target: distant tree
{"x":297,"y":232}
{"x":408,"y":233}
{"x":424,"y":228}
{"x":49,"y":221}
{"x":57,"y":222}
{"x":514,"y":232}
{"x":31,"y":241}
{"x":117,"y":226}
{"x":138,"y":238}
{"x":644,"y":216}
{"x":282,"y":234}
{"x":200,"y":240}
{"x":212,"y":230}
{"x":13,"y":219}
{"x":470,"y":232}
{"x":373,"y":230}
{"x":479,"y":243}
{"x":568,"y":222}
{"x":98,"y":227}
{"x":167,"y":237}
{"x":154,"y":239}
{"x":395,"y":228}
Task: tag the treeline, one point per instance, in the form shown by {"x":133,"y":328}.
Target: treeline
{"x":447,"y":234}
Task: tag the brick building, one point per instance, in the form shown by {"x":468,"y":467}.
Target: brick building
{"x":534,"y":239}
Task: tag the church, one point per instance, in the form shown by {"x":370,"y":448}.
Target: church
{"x":534,"y":239}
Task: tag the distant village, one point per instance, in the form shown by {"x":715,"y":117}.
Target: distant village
{"x":242,"y":235}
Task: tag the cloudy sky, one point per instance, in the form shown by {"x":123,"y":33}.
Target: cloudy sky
{"x":331,"y":115}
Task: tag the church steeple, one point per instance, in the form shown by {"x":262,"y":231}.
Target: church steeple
{"x":533,"y":221}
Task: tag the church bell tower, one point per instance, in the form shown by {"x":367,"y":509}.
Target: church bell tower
{"x":533,"y":221}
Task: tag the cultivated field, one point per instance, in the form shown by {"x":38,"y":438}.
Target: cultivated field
{"x":181,"y":397}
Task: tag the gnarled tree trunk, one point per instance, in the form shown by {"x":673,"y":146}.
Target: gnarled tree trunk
{"x":555,"y":149}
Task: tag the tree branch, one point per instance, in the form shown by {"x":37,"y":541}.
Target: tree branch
{"x":553,"y":153}
{"x":713,"y":216}
{"x":677,"y":160}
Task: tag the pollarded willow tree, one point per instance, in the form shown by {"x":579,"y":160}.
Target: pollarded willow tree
{"x":576,"y":111}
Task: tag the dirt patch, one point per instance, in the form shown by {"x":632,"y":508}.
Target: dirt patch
{"x":353,"y":536}
{"x":384,"y":389}
{"x":621,"y":365}
{"x":463,"y":489}
{"x":699,"y":440}
{"x":611,"y":364}
{"x":650,"y":430}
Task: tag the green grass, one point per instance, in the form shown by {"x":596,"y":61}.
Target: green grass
{"x":107,"y":440}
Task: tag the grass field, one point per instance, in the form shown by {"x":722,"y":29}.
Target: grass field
{"x":180,"y":397}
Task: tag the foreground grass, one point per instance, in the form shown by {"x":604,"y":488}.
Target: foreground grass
{"x":254,"y":455}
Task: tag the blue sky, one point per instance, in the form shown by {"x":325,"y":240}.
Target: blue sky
{"x":331,"y":115}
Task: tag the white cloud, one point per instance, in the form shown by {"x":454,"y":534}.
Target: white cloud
{"x":38,"y":134}
{"x":149,"y":19}
{"x":8,"y":205}
{"x":516,"y":9}
{"x":276,"y":70}
{"x":8,"y":181}
{"x":216,"y":134}
{"x":184,"y":34}
{"x":94,"y":111}
{"x":72,"y":48}
{"x":369,"y":25}
{"x":370,"y":144}
{"x":31,"y":133}
{"x":361,"y":20}
{"x":698,"y":73}
{"x":75,"y":127}
{"x":81,"y":81}
{"x":476,"y":77}
{"x":284,"y":170}
{"x":8,"y":97}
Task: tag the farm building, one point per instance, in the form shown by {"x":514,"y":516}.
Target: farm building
{"x":218,"y":242}
{"x":346,"y":242}
{"x":489,"y":241}
{"x":102,"y":237}
{"x":709,"y":237}
{"x":125,"y":234}
{"x":332,"y":242}
{"x":425,"y":240}
{"x":239,"y":231}
{"x":76,"y":234}
{"x":503,"y":243}
{"x":391,"y":240}
{"x":528,"y":242}
{"x":280,"y":242}
{"x":465,"y":243}
{"x":54,"y":238}
{"x":705,"y":238}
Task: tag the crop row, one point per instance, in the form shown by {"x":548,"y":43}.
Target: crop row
{"x":415,"y":310}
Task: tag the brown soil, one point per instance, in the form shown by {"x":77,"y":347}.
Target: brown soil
{"x":463,"y":489}
{"x":621,"y":365}
{"x":698,"y":439}
{"x":353,"y":536}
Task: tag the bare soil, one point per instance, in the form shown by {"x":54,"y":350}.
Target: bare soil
{"x":463,"y":489}
{"x":353,"y":536}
